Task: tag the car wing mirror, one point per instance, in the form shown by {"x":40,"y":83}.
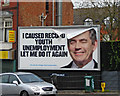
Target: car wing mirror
{"x":15,"y":82}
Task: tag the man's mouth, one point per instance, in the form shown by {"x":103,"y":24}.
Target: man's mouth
{"x":79,"y":53}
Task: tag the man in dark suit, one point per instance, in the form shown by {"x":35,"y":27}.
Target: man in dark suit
{"x":71,"y":63}
{"x":81,"y":48}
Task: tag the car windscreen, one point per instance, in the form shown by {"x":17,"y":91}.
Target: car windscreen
{"x":30,"y":78}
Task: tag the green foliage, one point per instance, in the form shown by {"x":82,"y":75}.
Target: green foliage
{"x":114,"y":57}
{"x":110,"y":56}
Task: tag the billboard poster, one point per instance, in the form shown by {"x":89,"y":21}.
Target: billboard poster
{"x":59,"y":48}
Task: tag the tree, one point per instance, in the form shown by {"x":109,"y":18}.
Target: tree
{"x":105,"y":13}
{"x":111,"y":26}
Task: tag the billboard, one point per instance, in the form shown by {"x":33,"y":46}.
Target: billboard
{"x":57,"y":48}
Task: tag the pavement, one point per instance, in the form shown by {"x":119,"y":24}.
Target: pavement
{"x":83,"y":93}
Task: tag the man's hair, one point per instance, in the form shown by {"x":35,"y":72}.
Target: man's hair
{"x":93,"y":35}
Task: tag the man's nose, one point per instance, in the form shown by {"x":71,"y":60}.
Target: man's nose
{"x":77,"y":46}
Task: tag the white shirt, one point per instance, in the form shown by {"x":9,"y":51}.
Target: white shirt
{"x":90,"y":65}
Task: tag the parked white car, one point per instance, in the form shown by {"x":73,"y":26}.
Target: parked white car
{"x":25,"y":84}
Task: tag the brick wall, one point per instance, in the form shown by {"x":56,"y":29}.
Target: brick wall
{"x":29,"y":13}
{"x":67,"y":13}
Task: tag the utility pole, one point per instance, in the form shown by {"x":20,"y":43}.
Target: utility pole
{"x":59,"y":13}
{"x":53,"y":14}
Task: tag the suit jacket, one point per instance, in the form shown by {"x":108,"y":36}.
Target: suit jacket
{"x":70,"y":65}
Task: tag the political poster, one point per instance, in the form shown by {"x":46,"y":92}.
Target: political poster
{"x":48,"y":48}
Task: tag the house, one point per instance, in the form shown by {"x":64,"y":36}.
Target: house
{"x":106,"y":17}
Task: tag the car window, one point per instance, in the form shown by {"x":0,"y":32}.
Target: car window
{"x":30,"y":78}
{"x":4,"y":78}
{"x":13,"y":78}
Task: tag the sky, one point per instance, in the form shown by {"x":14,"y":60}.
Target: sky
{"x":86,"y":3}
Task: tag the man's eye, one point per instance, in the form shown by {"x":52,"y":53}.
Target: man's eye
{"x":72,"y":42}
{"x":84,"y":41}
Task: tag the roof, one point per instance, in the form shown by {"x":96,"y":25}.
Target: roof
{"x":6,"y":14}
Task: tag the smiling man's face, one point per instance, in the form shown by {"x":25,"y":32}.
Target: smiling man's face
{"x":81,"y":48}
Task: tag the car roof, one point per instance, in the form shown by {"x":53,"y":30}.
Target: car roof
{"x":17,"y":73}
{"x":20,"y":73}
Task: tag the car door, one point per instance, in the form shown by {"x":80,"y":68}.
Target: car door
{"x":13,"y":88}
{"x":0,"y":85}
{"x":4,"y":83}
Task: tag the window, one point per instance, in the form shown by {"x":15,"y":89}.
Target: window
{"x":107,"y":21}
{"x":47,"y":6}
{"x":1,"y":29}
{"x":6,"y":23}
{"x":4,"y":78}
{"x":12,"y":78}
{"x":7,"y":26}
{"x":1,"y":34}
